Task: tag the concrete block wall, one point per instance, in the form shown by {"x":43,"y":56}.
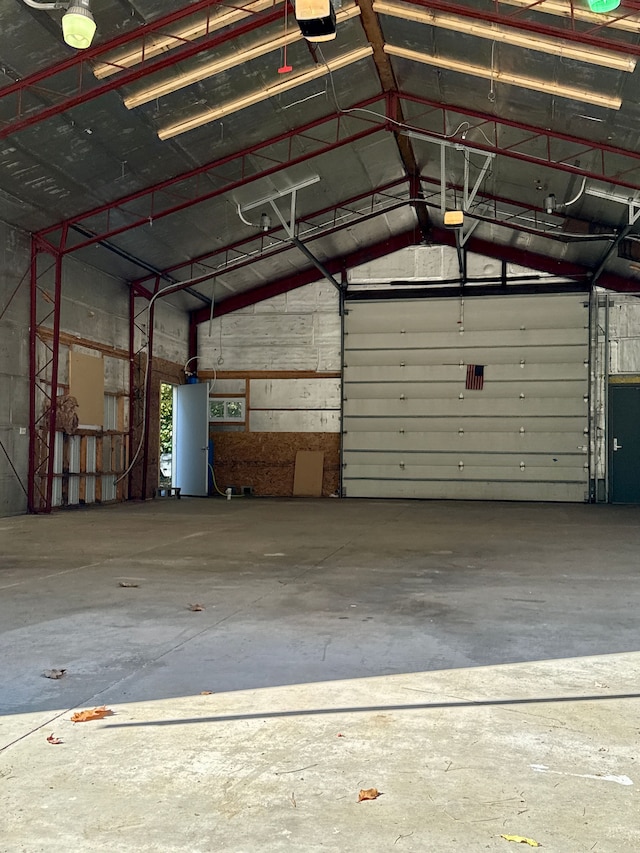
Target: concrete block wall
{"x":14,"y":369}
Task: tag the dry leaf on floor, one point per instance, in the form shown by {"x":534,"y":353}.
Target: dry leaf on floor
{"x":52,"y":739}
{"x":206,"y":692}
{"x":54,"y":673}
{"x":128,"y":584}
{"x":91,"y":714}
{"x":196,"y":607}
{"x":520,"y":839}
{"x":368,"y":794}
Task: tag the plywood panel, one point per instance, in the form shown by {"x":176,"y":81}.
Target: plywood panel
{"x":265,"y":461}
{"x":307,"y":476}
{"x":86,"y":384}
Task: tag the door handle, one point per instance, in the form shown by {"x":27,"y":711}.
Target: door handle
{"x":616,"y":446}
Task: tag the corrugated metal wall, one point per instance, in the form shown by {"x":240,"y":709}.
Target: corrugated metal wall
{"x":413,"y":430}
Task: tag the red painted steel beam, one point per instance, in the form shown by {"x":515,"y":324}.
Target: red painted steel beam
{"x":68,"y":102}
{"x":535,"y":28}
{"x":496,"y":125}
{"x":536,"y":261}
{"x":308,"y":276}
{"x":155,"y":209}
{"x":237,"y":246}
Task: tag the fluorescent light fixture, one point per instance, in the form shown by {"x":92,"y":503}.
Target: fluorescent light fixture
{"x":582,"y":95}
{"x":556,"y":47}
{"x":210,"y":69}
{"x":216,"y":113}
{"x":560,"y":9}
{"x":78,"y":25}
{"x":155,"y":45}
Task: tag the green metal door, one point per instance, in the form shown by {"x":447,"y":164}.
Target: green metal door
{"x":624,"y":444}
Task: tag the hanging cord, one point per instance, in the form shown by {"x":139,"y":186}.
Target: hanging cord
{"x":145,"y":385}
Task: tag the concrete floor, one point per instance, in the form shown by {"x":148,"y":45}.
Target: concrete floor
{"x":477,"y":663}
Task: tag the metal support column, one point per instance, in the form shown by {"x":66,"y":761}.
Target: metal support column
{"x":44,"y":337}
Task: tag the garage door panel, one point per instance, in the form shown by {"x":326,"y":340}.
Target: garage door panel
{"x":467,"y":340}
{"x":484,"y":491}
{"x":440,"y":423}
{"x":476,"y":405}
{"x":409,"y":461}
{"x":374,"y":357}
{"x":447,"y":390}
{"x":511,"y":442}
{"x":412,"y":428}
{"x":515,"y":372}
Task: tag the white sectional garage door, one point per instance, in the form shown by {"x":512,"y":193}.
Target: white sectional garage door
{"x":412,"y":427}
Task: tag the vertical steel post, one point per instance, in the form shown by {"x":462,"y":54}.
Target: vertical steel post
{"x":33,"y":450}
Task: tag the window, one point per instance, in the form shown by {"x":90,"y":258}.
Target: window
{"x":226,"y":410}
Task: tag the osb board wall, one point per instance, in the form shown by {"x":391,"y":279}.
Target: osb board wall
{"x":265,"y":461}
{"x":161,"y":371}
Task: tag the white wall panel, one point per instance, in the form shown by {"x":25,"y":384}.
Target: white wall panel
{"x":412,"y":429}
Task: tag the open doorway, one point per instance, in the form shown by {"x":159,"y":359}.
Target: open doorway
{"x":166,"y":435}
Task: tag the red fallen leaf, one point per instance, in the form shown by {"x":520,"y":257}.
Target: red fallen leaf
{"x":368,"y":794}
{"x":196,"y":607}
{"x":339,"y":735}
{"x":52,"y":739}
{"x":91,"y":714}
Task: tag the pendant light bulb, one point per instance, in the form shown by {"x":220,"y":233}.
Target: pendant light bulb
{"x":78,"y":25}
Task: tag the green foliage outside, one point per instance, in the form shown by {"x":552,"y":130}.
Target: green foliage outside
{"x":166,"y":417}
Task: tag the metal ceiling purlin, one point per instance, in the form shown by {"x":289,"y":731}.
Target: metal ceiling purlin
{"x":230,"y":266}
{"x":155,"y":209}
{"x":373,"y":32}
{"x":307,"y":276}
{"x":235,"y":248}
{"x":534,"y":260}
{"x":509,"y":150}
{"x":68,"y":102}
{"x":510,"y":20}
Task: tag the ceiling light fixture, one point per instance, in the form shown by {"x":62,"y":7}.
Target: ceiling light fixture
{"x":216,"y":113}
{"x":602,"y":7}
{"x":155,"y":45}
{"x":569,"y":92}
{"x":78,"y":24}
{"x":316,"y":19}
{"x":203,"y":72}
{"x":557,"y":47}
{"x":570,"y":10}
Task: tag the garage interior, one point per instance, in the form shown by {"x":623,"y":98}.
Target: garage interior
{"x":319,"y":406}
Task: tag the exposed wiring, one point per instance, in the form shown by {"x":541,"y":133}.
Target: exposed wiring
{"x":145,"y":386}
{"x":577,"y":196}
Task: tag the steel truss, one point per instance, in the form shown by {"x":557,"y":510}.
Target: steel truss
{"x":44,"y":349}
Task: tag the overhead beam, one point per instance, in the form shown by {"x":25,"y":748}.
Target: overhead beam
{"x":493,"y":136}
{"x":195,"y":186}
{"x":511,"y":21}
{"x":389,"y":84}
{"x":192,"y":187}
{"x":67,"y":102}
{"x":336,"y":267}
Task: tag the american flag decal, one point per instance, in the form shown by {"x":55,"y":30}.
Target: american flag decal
{"x":475,"y":377}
